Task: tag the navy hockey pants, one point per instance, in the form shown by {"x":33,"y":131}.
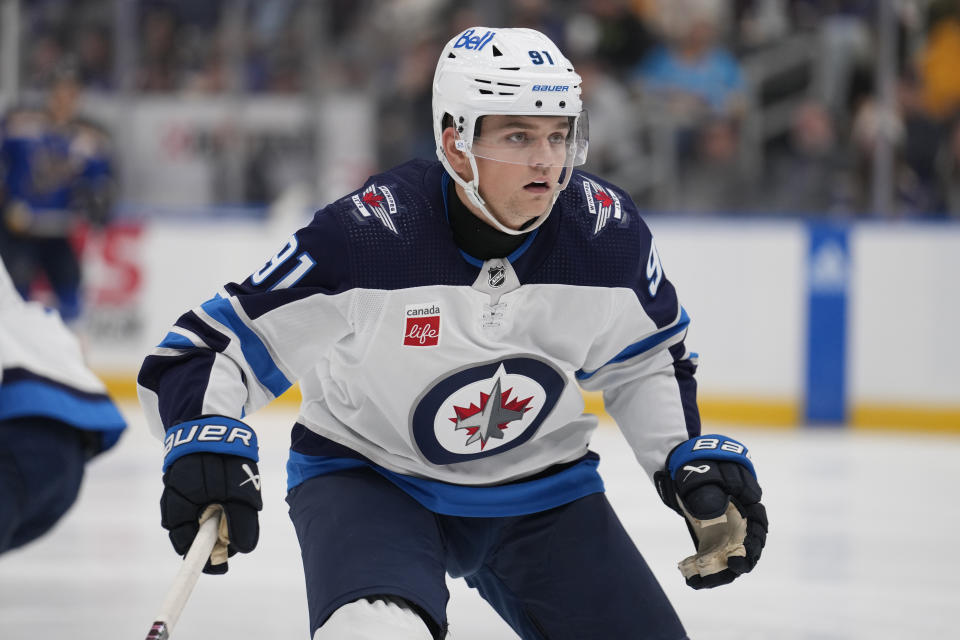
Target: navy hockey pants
{"x":567,"y":573}
{"x":41,"y":468}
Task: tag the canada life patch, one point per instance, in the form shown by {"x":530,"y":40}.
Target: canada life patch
{"x":421,"y":325}
{"x":485,"y":409}
{"x":378,"y":202}
{"x":603,"y":203}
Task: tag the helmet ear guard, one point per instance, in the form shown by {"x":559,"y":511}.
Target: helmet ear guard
{"x":519,"y":72}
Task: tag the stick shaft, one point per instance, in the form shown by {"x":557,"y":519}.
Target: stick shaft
{"x":182,"y":586}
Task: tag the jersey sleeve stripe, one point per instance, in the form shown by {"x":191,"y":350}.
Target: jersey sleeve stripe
{"x":253,"y":349}
{"x":647,"y":344}
{"x":684,"y":369}
{"x":191,"y":322}
{"x":175,"y":341}
{"x":83,"y":411}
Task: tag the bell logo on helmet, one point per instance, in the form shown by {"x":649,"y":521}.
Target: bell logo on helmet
{"x":471,"y":42}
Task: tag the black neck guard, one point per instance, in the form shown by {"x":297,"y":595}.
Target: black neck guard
{"x":476,"y":237}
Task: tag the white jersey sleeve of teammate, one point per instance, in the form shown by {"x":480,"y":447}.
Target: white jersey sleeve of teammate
{"x":35,"y":339}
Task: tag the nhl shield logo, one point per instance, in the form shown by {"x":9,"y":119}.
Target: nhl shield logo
{"x":496,"y":276}
{"x":485,"y":409}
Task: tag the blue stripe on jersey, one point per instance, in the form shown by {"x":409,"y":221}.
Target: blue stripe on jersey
{"x":37,"y":398}
{"x":515,"y":499}
{"x":253,"y":349}
{"x":175,"y":341}
{"x":644,"y":345}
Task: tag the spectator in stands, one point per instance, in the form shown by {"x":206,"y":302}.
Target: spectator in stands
{"x":159,"y":64}
{"x":615,"y":34}
{"x":56,"y":172}
{"x":95,"y":58}
{"x":699,"y":85}
{"x":539,"y":15}
{"x":615,"y":150}
{"x":712,"y":180}
{"x":846,"y":43}
{"x":949,"y":171}
{"x":44,"y":56}
{"x":697,"y":76}
{"x":811,"y":175}
{"x":404,"y":109}
{"x":692,"y":79}
{"x":939,"y":58}
{"x":758,"y":24}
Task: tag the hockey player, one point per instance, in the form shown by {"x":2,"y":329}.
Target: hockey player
{"x":55,"y":173}
{"x":54,"y":417}
{"x":441,"y":321}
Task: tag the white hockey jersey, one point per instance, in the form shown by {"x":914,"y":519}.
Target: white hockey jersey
{"x":42,"y":370}
{"x":458,"y":379}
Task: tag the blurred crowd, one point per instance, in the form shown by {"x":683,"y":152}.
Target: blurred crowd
{"x":699,"y":106}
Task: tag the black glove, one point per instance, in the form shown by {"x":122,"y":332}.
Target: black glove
{"x":202,"y":468}
{"x":710,"y":481}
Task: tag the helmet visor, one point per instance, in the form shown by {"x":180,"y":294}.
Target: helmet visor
{"x":546,"y":141}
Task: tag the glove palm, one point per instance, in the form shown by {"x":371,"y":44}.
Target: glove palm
{"x":720,"y":500}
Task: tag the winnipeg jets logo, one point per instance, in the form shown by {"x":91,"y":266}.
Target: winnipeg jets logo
{"x":377,"y":202}
{"x":493,"y":415}
{"x":496,"y":276}
{"x":602,"y":203}
{"x":484,"y":409}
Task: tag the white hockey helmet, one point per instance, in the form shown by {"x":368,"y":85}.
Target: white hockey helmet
{"x":487,"y":71}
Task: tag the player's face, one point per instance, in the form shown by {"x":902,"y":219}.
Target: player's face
{"x":519,"y":159}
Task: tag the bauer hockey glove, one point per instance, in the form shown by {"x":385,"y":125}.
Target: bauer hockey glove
{"x":710,"y":481}
{"x":211,"y":460}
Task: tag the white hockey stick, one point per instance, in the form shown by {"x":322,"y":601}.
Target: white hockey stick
{"x":186,"y":578}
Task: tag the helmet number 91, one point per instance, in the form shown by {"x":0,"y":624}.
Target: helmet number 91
{"x":537,"y":58}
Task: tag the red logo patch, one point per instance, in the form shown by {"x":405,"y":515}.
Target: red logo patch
{"x":604,"y":199}
{"x":422,"y":327}
{"x":372,"y":199}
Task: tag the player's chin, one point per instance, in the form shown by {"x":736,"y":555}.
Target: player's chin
{"x":532,"y":200}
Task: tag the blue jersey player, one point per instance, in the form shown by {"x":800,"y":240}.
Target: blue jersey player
{"x":441,"y":321}
{"x":55,"y":172}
